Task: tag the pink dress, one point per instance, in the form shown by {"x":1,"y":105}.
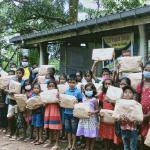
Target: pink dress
{"x":145,"y":102}
{"x":52,"y":117}
{"x":107,"y":131}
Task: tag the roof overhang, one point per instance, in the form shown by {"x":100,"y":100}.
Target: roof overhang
{"x":123,"y":19}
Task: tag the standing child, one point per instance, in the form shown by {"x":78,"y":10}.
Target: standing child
{"x":63,"y":81}
{"x":71,"y":123}
{"x":27,"y":114}
{"x":52,"y":119}
{"x":143,"y":89}
{"x":128,"y":129}
{"x":89,"y":127}
{"x":107,"y":131}
{"x":38,"y":117}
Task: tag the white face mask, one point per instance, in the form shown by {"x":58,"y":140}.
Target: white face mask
{"x":28,"y":87}
{"x":24,"y":64}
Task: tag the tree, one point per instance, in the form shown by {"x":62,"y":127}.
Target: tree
{"x":26,"y":16}
{"x":119,"y":5}
{"x":73,"y":11}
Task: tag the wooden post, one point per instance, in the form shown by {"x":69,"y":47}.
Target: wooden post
{"x":142,"y":41}
{"x":43,"y":54}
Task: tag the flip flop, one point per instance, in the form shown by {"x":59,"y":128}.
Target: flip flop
{"x":39,"y":143}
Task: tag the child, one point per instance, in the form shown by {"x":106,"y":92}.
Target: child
{"x":27,"y":89}
{"x":52,"y":118}
{"x":11,"y":111}
{"x":63,"y":80}
{"x":37,"y":117}
{"x":88,"y":77}
{"x":128,"y":129}
{"x":71,"y":122}
{"x":143,"y":89}
{"x":79,"y":76}
{"x":20,"y":120}
{"x":107,"y":131}
{"x":125,"y":82}
{"x":89,"y":127}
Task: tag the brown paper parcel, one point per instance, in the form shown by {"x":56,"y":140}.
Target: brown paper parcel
{"x":21,"y":100}
{"x":67,"y":101}
{"x":81,"y":110}
{"x":103,"y":54}
{"x":113,"y":94}
{"x":14,"y":87}
{"x":135,"y":78}
{"x":147,"y":140}
{"x":131,"y":109}
{"x":130,"y":64}
{"x":44,"y":69}
{"x":4,"y":81}
{"x":44,"y":87}
{"x":62,"y":88}
{"x":34,"y":102}
{"x":41,"y":79}
{"x":107,"y":116}
{"x":49,"y":96}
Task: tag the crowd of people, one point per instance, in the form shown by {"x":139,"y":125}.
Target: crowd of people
{"x":49,"y":124}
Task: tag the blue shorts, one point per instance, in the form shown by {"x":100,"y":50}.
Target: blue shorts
{"x":71,"y":124}
{"x":37,"y":120}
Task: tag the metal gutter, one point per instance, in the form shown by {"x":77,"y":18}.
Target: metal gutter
{"x":87,"y":23}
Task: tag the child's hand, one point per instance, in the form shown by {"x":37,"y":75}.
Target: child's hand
{"x":90,"y":113}
{"x":75,"y":102}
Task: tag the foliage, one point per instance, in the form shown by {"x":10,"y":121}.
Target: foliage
{"x":26,"y":16}
{"x":119,"y":5}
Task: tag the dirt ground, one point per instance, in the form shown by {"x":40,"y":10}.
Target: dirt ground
{"x":7,"y":144}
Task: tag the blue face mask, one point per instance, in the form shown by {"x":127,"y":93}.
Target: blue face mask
{"x":46,"y":81}
{"x":146,"y":74}
{"x":89,"y":93}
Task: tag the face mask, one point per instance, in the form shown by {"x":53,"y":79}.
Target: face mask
{"x":28,"y":87}
{"x":14,"y":69}
{"x":46,"y":81}
{"x":24,"y":64}
{"x":146,"y":74}
{"x":89,"y":93}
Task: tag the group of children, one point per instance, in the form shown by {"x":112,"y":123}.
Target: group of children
{"x":55,"y":122}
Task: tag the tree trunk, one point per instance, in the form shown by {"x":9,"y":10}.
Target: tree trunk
{"x":73,"y":11}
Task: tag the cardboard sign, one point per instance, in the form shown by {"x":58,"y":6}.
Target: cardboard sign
{"x":103,"y":54}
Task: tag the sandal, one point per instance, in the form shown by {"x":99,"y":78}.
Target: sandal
{"x":38,"y":143}
{"x":55,"y":148}
{"x":33,"y":141}
{"x":47,"y":145}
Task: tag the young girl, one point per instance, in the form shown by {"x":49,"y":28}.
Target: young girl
{"x":27,"y":89}
{"x":52,"y":118}
{"x":63,"y":80}
{"x":79,"y":76}
{"x":128,"y":129}
{"x":125,"y":82}
{"x":89,"y":127}
{"x":144,"y":90}
{"x":88,"y":77}
{"x":37,"y":117}
{"x":20,"y":120}
{"x":107,"y":131}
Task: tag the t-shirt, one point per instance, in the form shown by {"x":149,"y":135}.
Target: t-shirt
{"x":74,"y":92}
{"x":26,"y":73}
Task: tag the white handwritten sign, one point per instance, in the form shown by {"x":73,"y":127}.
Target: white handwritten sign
{"x":102,"y":54}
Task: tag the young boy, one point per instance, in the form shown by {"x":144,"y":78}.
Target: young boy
{"x":128,"y":128}
{"x":71,"y":123}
